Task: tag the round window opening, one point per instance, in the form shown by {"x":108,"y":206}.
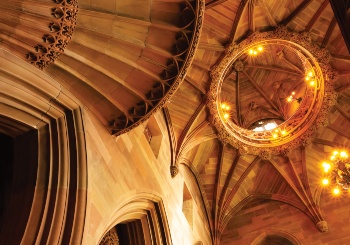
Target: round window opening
{"x":271,"y":92}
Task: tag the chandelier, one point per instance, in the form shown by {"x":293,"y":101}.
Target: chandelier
{"x":337,"y":171}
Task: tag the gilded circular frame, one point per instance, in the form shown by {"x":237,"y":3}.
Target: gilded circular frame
{"x":311,"y":115}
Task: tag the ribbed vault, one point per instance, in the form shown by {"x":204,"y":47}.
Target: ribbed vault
{"x":232,"y":182}
{"x":123,"y":62}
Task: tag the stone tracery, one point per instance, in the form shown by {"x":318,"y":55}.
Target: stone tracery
{"x":58,"y":18}
{"x":61,"y":31}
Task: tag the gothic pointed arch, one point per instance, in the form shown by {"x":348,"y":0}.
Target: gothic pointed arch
{"x":47,"y":192}
{"x":141,"y":219}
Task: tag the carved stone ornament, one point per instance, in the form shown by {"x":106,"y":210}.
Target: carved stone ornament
{"x":190,"y":32}
{"x":174,"y":171}
{"x":303,"y":124}
{"x":59,"y":33}
{"x":111,"y":238}
{"x":322,"y":226}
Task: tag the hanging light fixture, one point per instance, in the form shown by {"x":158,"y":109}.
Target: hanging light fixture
{"x":292,"y":97}
{"x":225,"y":110}
{"x":255,"y":50}
{"x":337,"y":171}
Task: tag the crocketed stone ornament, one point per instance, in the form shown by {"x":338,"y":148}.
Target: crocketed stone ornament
{"x":59,"y":32}
{"x":313,"y":108}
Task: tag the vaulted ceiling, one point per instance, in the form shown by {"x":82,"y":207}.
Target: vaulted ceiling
{"x":124,"y":61}
{"x":229,"y":181}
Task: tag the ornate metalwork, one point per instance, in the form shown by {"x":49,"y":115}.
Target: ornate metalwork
{"x":60,"y":31}
{"x":174,"y":73}
{"x":340,"y":170}
{"x":311,"y":114}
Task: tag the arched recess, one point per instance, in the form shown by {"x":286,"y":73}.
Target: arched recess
{"x":47,"y":190}
{"x":275,"y":235}
{"x":141,"y":219}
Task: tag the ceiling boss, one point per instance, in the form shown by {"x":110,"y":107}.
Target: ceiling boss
{"x":269,"y":94}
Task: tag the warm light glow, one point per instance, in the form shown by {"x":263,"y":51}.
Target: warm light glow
{"x":312,"y":83}
{"x":270,"y":126}
{"x":337,"y":172}
{"x":336,"y":191}
{"x":325,"y":181}
{"x":266,"y":126}
{"x":227,"y":108}
{"x":226,"y":115}
{"x":275,"y":136}
{"x":293,"y":93}
{"x":284,"y":132}
{"x":343,"y":154}
{"x":310,"y":74}
{"x":255,"y":50}
{"x":326,"y":165}
{"x":223,"y":105}
{"x":289,"y":99}
{"x":307,"y":78}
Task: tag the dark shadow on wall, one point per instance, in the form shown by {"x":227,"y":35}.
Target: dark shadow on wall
{"x":20,"y":184}
{"x":6,"y":170}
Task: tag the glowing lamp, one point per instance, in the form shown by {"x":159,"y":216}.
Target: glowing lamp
{"x":325,"y":181}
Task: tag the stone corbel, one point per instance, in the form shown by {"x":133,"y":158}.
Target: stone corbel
{"x":322,"y":226}
{"x":174,"y":170}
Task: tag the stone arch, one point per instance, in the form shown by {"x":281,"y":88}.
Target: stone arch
{"x":278,"y":234}
{"x":145,"y":210}
{"x":48,"y":191}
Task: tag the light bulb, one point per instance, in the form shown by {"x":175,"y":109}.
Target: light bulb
{"x":284,"y":132}
{"x":336,"y":191}
{"x":275,"y":136}
{"x":325,"y":181}
{"x":289,"y":99}
{"x":312,"y":83}
{"x":343,"y":154}
{"x":254,"y":52}
{"x":227,"y":107}
{"x":307,"y":78}
{"x":326,"y":166}
{"x":223,"y":105}
{"x":226,"y":115}
{"x":251,"y":51}
{"x":310,"y":74}
{"x":335,"y":153}
{"x":260,"y":48}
